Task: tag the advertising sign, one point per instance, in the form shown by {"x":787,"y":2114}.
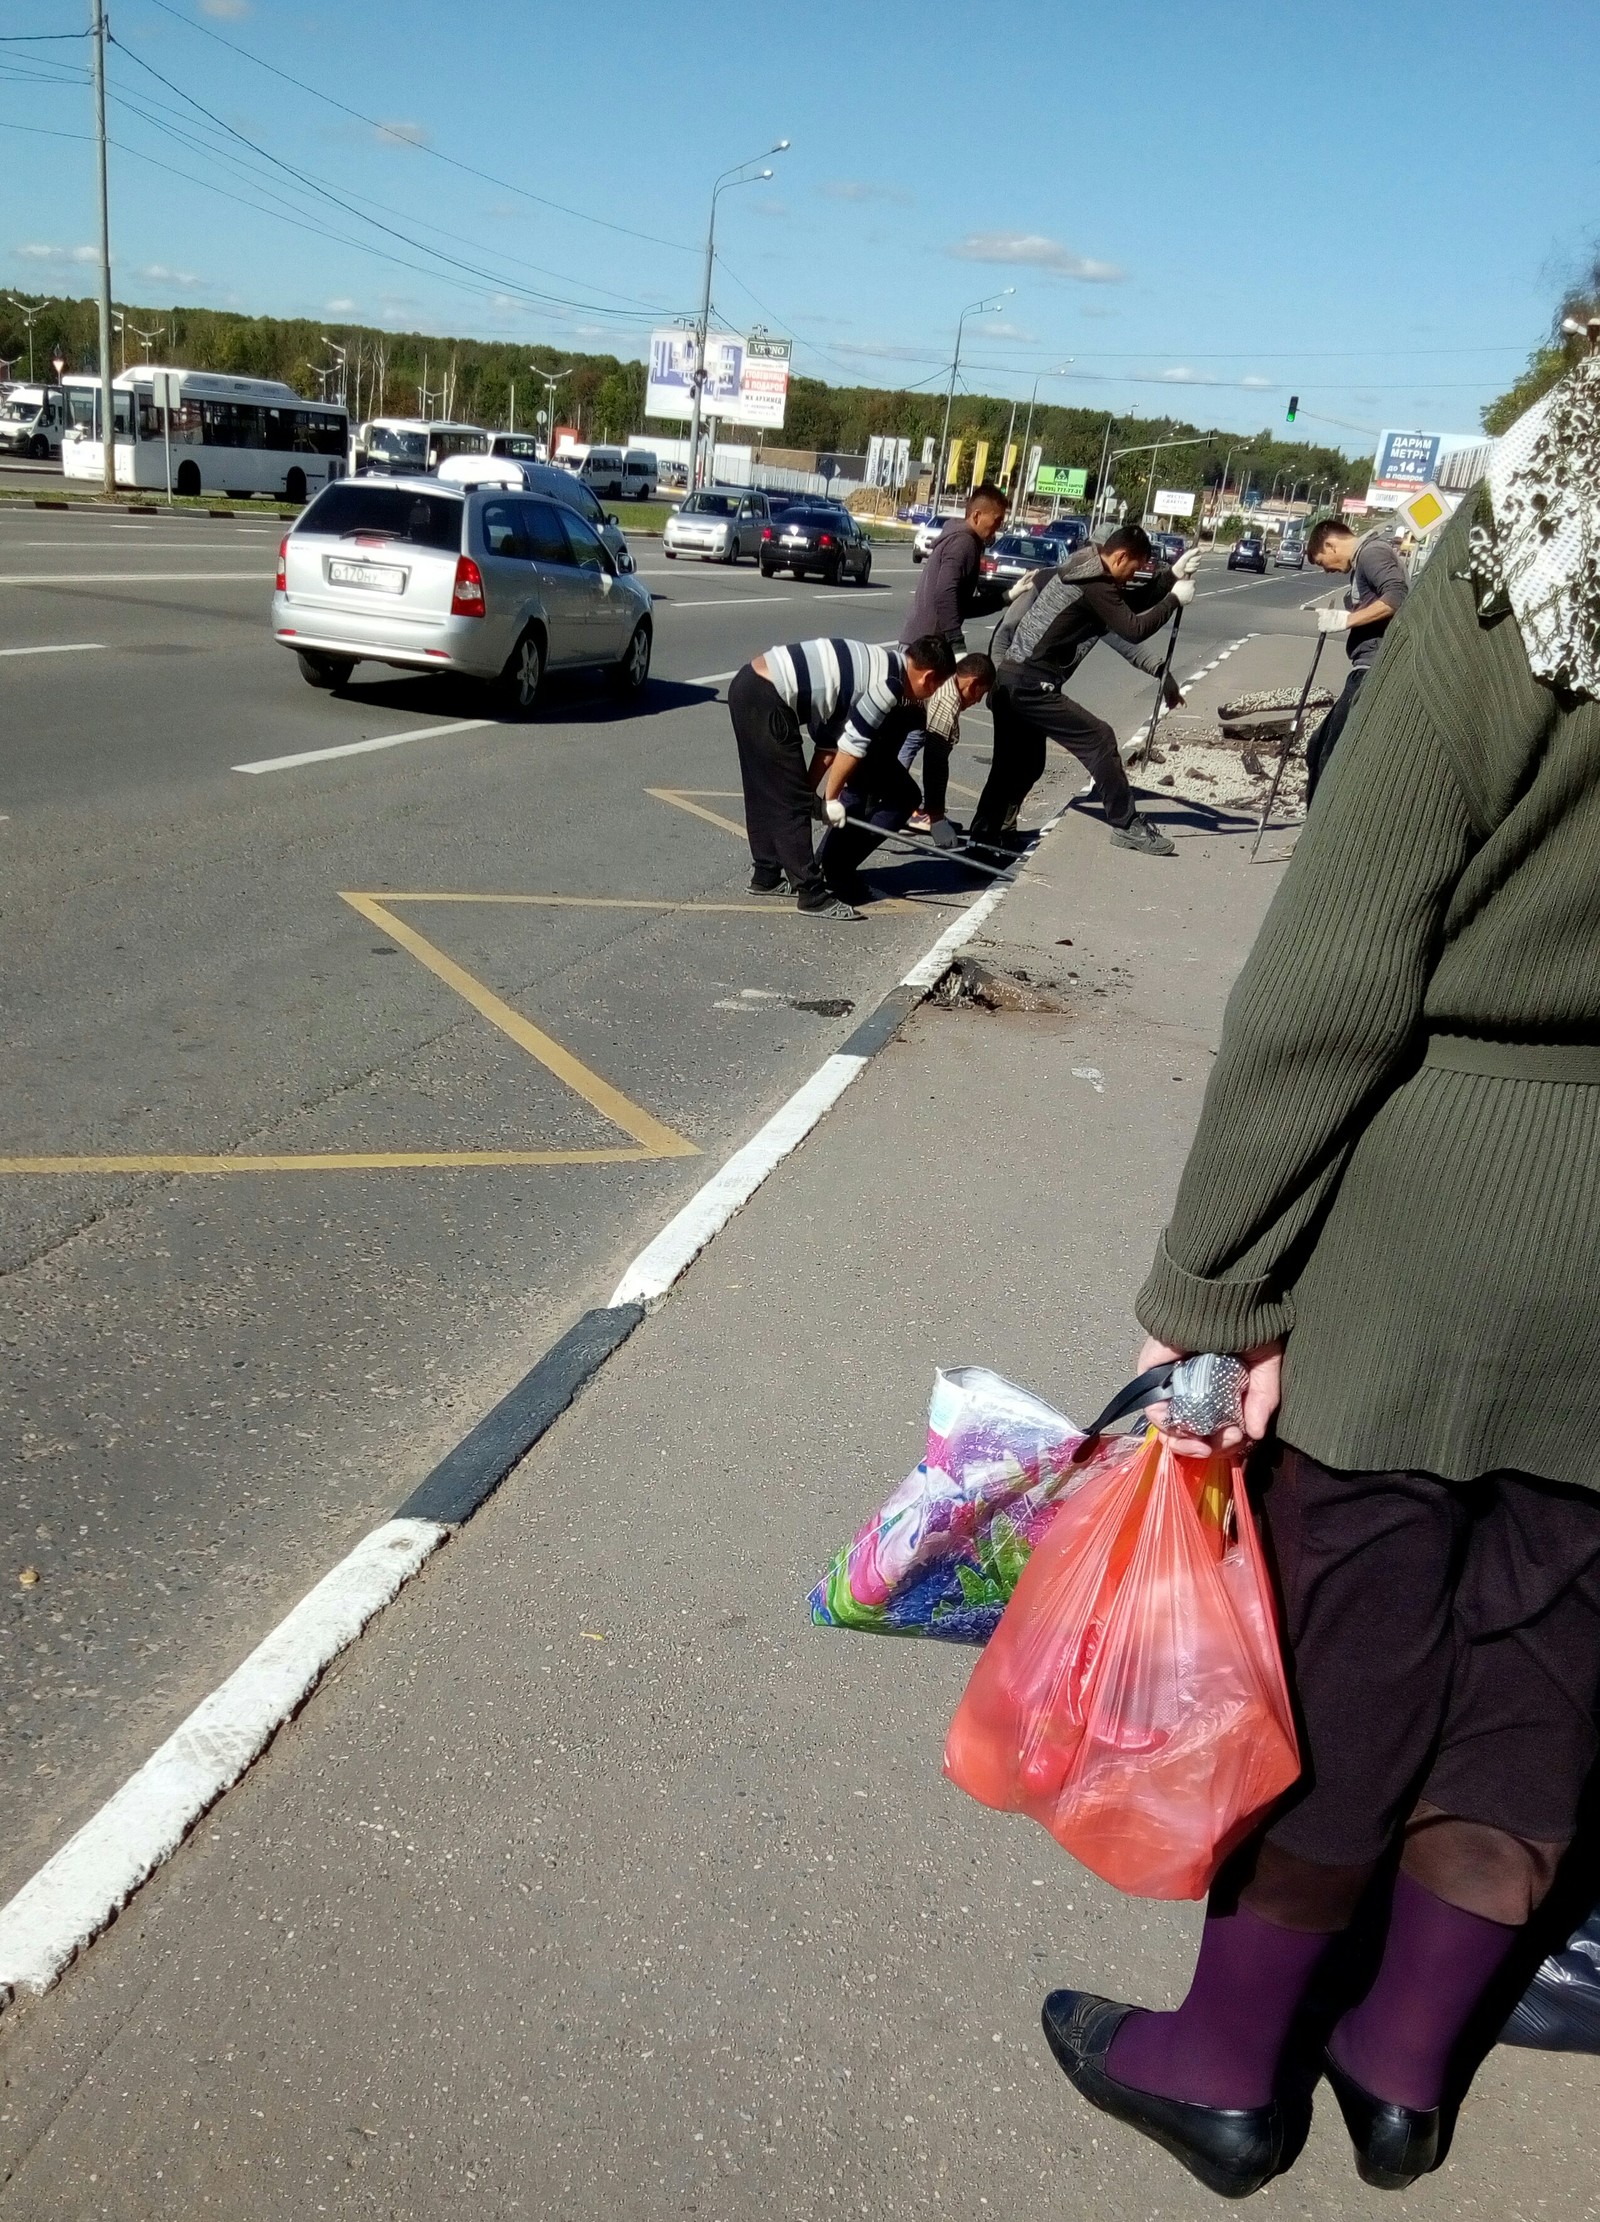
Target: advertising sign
{"x":1407,"y":461}
{"x":980,"y":462}
{"x":888,"y":460}
{"x":952,"y":469}
{"x":746,"y":382}
{"x":1170,"y":504}
{"x":1056,"y":480}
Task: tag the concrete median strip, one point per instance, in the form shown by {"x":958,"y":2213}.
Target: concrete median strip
{"x":82,"y":1887}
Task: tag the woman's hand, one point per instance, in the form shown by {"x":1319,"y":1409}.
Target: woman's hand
{"x":1263,"y":1371}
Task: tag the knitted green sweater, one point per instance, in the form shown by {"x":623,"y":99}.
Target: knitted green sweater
{"x":1398,"y":1161}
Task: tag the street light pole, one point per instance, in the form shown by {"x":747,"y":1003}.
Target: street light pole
{"x":1100,"y":480}
{"x":973,"y":308}
{"x":1022,"y":460}
{"x":702,"y":326}
{"x":108,"y":423}
{"x":550,"y":380}
{"x":30,"y":317}
{"x":343,"y":353}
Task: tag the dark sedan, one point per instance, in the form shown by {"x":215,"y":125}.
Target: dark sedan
{"x":1249,"y":554}
{"x":1014,"y":556}
{"x":1067,"y":533}
{"x":816,"y":536}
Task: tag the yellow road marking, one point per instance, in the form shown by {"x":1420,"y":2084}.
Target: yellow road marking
{"x":584,"y":902}
{"x":679,"y":799}
{"x":328,"y":1161}
{"x":611,"y":1103}
{"x":973,"y":794}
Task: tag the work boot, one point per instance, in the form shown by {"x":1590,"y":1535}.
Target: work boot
{"x":1141,"y":835}
{"x":826,"y":905}
{"x":768,"y":879}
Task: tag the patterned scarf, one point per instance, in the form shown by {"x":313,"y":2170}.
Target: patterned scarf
{"x":1539,"y":552}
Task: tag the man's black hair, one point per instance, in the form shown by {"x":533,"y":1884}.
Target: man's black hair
{"x":987,"y":492}
{"x":1127,"y":540}
{"x":1328,"y":528}
{"x":977,"y":666}
{"x":934,"y":653}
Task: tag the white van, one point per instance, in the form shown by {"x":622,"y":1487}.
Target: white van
{"x":32,"y":420}
{"x":602,"y":471}
{"x":413,"y":446}
{"x":639,"y":475}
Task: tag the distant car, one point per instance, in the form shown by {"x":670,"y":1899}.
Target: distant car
{"x":1249,"y":554}
{"x":1013,"y":556}
{"x":1291,"y":555}
{"x":816,"y":536}
{"x":547,"y":479}
{"x":719,"y":524}
{"x":925,"y":535}
{"x":1066,"y":532}
{"x":484,"y":580}
{"x":1166,"y":547}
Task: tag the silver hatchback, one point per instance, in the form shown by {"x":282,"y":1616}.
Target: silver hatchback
{"x":497,"y":584}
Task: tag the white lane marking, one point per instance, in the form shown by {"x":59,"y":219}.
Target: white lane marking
{"x":125,"y":578}
{"x":72,"y":1897}
{"x":362,"y":748}
{"x":177,"y":547}
{"x":724,"y":601}
{"x":671,"y":1253}
{"x":713,"y":678}
{"x":57,"y":648}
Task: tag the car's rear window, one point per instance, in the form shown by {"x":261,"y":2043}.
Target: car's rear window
{"x":399,"y":512}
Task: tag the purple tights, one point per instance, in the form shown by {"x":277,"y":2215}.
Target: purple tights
{"x":1437,"y":1963}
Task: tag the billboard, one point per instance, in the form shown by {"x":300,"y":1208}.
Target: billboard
{"x":1170,"y":504}
{"x":746,"y":380}
{"x":1405,"y":462}
{"x":1055,"y":479}
{"x":888,"y":460}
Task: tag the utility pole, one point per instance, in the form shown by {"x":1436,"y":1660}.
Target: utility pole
{"x":1100,"y":476}
{"x":107,"y":420}
{"x":703,"y":322}
{"x":973,"y":308}
{"x":30,"y":317}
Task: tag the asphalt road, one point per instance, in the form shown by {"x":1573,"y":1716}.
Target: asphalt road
{"x":221,"y":1378}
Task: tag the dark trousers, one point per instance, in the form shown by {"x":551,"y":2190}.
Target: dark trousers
{"x":1026,"y":717}
{"x":883,"y":792}
{"x":779,"y":804}
{"x":1443,"y":1647}
{"x":1320,"y":746}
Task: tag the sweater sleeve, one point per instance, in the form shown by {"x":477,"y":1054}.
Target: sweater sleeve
{"x":1111,"y":607}
{"x":1326,"y":1011}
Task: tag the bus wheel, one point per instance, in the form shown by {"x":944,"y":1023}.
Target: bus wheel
{"x":189,"y":478}
{"x":294,"y":486}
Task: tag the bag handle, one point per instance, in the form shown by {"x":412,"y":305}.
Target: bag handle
{"x":1209,"y":1388}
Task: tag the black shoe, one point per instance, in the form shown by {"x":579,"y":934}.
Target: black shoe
{"x":1141,"y":835}
{"x":765,"y":880}
{"x":1394,"y":2144}
{"x":826,"y":905}
{"x":1008,"y":842}
{"x":1232,"y":2149}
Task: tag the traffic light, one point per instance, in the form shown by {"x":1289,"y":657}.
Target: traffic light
{"x":1293,"y":409}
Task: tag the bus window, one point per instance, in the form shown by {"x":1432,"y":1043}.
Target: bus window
{"x":83,"y":410}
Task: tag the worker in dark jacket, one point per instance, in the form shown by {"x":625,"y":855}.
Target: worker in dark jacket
{"x":949,"y":583}
{"x":1374,"y":598}
{"x":1086,"y":598}
{"x":1390,"y":1214}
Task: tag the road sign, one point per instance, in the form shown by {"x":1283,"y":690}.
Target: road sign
{"x":1170,"y":504}
{"x":1055,"y":479}
{"x":58,"y":362}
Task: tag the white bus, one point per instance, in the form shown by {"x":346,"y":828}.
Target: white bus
{"x":413,"y":446}
{"x":229,"y":435}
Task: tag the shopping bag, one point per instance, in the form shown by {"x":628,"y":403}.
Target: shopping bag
{"x":943,"y":1555}
{"x":1560,"y":2009}
{"x":1132,"y":1698}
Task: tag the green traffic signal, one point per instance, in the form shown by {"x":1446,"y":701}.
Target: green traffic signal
{"x":1293,"y":408}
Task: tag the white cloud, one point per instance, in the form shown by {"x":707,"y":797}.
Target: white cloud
{"x":1181,"y":377}
{"x":1032,"y":250}
{"x":35,"y":251}
{"x":862,"y":189}
{"x":1259,"y":385}
{"x":227,"y":11}
{"x":340,"y":305}
{"x":401,"y":131}
{"x":1002,"y":330}
{"x":157,"y":273}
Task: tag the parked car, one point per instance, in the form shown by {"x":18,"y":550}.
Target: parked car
{"x":483,"y":580}
{"x":547,"y":479}
{"x":925,"y":535}
{"x":816,"y":536}
{"x":1013,"y":556}
{"x":1291,"y":554}
{"x":720,"y":524}
{"x":32,"y":421}
{"x":1166,"y":547}
{"x":1067,"y":533}
{"x":1249,"y":554}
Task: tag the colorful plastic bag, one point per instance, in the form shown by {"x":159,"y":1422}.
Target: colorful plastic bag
{"x":943,"y":1556}
{"x":1132,"y":1698}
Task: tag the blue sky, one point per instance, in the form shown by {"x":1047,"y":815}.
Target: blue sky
{"x":1218,"y":201}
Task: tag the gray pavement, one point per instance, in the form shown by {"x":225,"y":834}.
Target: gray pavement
{"x":219,"y":1382}
{"x":596,"y":1882}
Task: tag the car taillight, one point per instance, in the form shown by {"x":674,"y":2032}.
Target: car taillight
{"x":283,"y":557}
{"x":467,"y":598}
{"x":825,"y":540}
{"x":987,"y":563}
{"x":766,"y":532}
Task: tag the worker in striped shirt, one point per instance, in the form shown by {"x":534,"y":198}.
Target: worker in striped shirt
{"x":838,"y":693}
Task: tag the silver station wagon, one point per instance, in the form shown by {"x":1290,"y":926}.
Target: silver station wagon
{"x":483,"y":580}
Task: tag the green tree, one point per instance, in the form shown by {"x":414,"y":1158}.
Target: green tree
{"x":1554,"y":357}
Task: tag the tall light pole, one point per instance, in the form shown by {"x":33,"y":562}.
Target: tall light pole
{"x":973,"y":308}
{"x":147,"y":340}
{"x":1222,"y":491}
{"x":550,"y":380}
{"x":107,"y":421}
{"x":30,"y":317}
{"x":1022,"y":460}
{"x":1100,"y":478}
{"x":343,"y":354}
{"x":742,"y":173}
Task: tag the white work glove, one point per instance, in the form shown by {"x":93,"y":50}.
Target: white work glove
{"x":1023,"y":586}
{"x":1332,"y":621}
{"x":1183,"y":592}
{"x":834,"y":812}
{"x":1187,"y":565}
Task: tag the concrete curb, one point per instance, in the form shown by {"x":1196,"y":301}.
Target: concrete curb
{"x":80,"y":1890}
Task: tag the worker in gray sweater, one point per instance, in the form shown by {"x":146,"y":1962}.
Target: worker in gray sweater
{"x":948,"y":586}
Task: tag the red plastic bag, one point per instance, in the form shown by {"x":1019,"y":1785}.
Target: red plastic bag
{"x":1132,"y":1698}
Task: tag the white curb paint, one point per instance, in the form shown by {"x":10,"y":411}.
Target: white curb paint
{"x":709,"y":1210}
{"x":363,"y":748}
{"x":73,"y":1896}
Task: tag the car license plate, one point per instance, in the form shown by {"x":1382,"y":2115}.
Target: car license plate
{"x":379,"y":578}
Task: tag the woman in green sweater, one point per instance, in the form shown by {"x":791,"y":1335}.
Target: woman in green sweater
{"x":1392,"y":1211}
